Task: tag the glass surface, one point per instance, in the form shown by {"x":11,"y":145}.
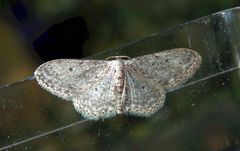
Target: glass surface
{"x":203,"y":114}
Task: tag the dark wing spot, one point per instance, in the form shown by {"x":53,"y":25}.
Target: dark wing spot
{"x":70,"y":69}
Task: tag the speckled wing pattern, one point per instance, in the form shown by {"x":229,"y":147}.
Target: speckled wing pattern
{"x":93,"y":85}
{"x":170,"y":68}
{"x":143,"y":97}
{"x":99,"y":100}
{"x":67,"y":78}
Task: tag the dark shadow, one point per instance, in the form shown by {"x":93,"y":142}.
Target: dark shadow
{"x":63,"y":40}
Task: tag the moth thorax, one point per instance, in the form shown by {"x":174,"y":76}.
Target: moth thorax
{"x":119,"y":75}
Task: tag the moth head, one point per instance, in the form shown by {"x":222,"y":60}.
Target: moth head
{"x":118,"y":58}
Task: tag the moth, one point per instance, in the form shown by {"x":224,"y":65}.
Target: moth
{"x":102,"y":89}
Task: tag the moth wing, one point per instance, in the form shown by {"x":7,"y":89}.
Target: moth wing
{"x":98,"y":101}
{"x":66,"y":78}
{"x":169,"y":68}
{"x":142,"y":96}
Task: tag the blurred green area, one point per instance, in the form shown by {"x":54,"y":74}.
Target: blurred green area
{"x":110,"y":23}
